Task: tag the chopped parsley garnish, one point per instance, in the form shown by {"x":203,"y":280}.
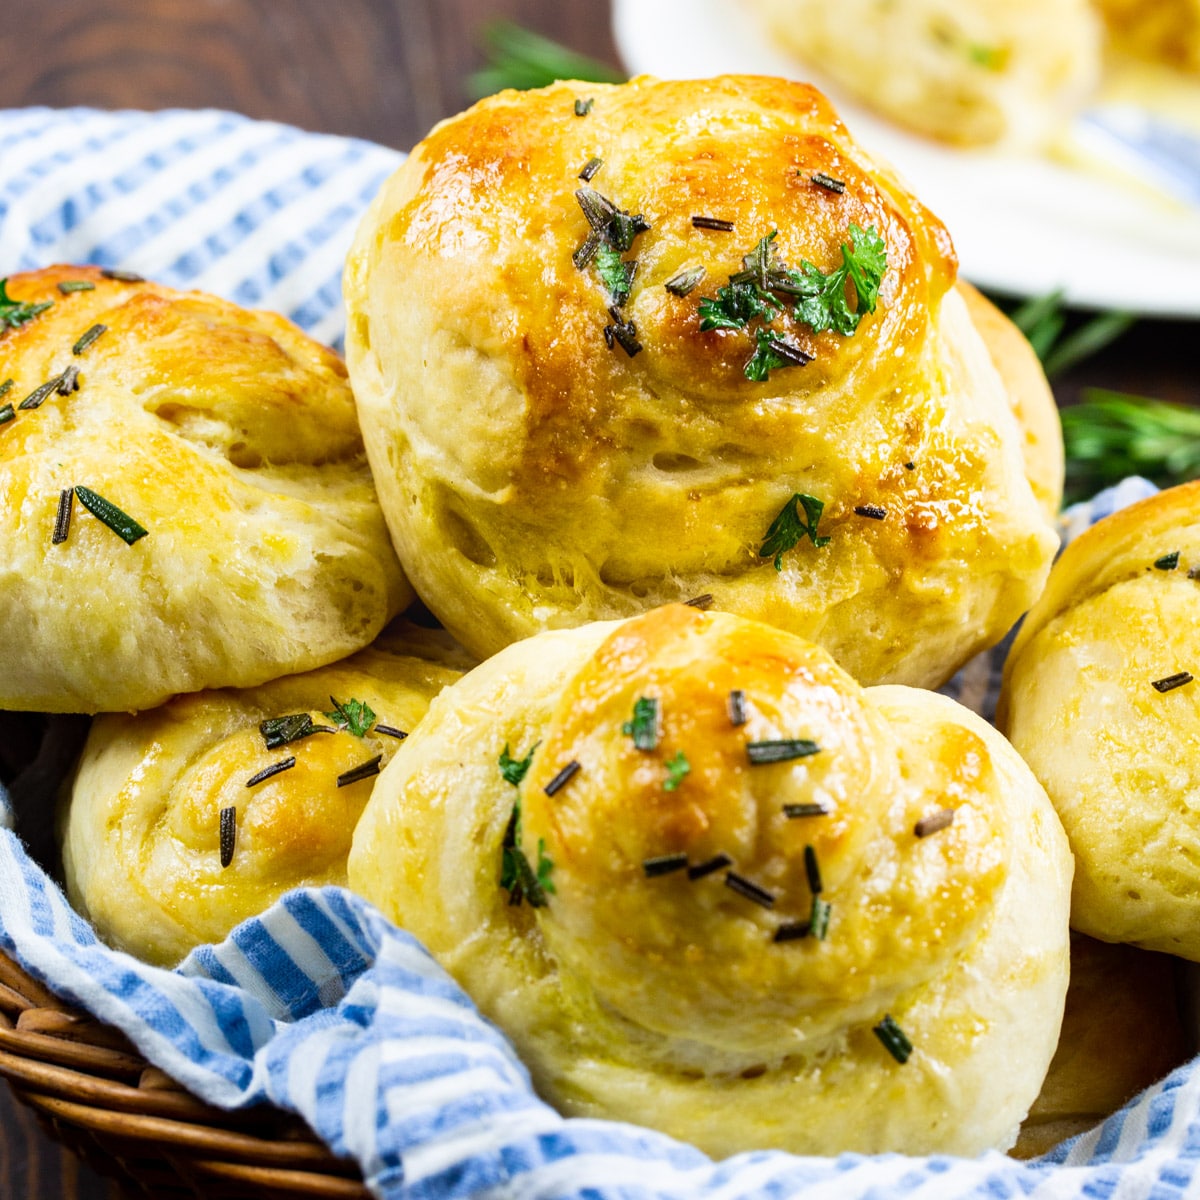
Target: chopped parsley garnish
{"x":736,"y":305}
{"x":1172,"y":681}
{"x":276,"y":768}
{"x":789,"y":528}
{"x":355,"y":716}
{"x":664,"y":864}
{"x":685,"y":281}
{"x":17,"y":312}
{"x":773,"y":352}
{"x":228,"y":834}
{"x":780,"y":750}
{"x":1168,"y":562}
{"x":942,"y":819}
{"x":67,"y":286}
{"x":514,"y":769}
{"x":107,"y":513}
{"x":823,"y":297}
{"x":644,"y":726}
{"x":893,"y":1039}
{"x":677,"y":767}
{"x":517,"y":876}
{"x":615,"y":273}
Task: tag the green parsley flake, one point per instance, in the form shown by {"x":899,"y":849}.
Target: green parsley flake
{"x":514,"y":769}
{"x":17,"y":312}
{"x":787,"y":530}
{"x":517,"y":876}
{"x":677,"y":768}
{"x":615,"y":273}
{"x":644,"y":726}
{"x":823,"y":302}
{"x":355,"y":716}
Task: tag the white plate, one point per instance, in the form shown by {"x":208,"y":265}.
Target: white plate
{"x":1022,"y":225}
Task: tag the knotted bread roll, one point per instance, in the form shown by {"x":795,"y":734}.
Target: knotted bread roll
{"x":185,"y":497}
{"x":970,"y":72}
{"x":1161,"y":30}
{"x":185,"y":820}
{"x":557,"y":438}
{"x":708,"y":884}
{"x":1099,"y":699}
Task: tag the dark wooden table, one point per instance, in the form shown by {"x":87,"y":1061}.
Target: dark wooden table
{"x":379,"y":69}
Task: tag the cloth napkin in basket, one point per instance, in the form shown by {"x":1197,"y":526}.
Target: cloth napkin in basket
{"x":321,"y":1006}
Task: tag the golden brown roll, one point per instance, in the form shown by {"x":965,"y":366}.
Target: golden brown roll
{"x":535,"y":477}
{"x":971,"y":72}
{"x":187,"y":819}
{"x":1121,"y":1032}
{"x":1161,"y":30}
{"x":708,"y":884}
{"x":185,"y":496}
{"x":1099,"y":700}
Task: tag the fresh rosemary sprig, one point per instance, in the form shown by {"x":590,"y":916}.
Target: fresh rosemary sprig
{"x":1043,"y":321}
{"x":519,"y":58}
{"x":1110,"y":435}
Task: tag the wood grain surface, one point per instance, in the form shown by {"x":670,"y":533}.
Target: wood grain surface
{"x":380,"y":69}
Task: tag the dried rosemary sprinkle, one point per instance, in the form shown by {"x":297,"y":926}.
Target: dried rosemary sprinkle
{"x":7,"y":413}
{"x":710,"y":866}
{"x":819,"y":922}
{"x":6,"y":387}
{"x":1168,"y":562}
{"x":279,"y":731}
{"x":828,"y":182}
{"x":664,"y":864}
{"x":67,"y":286}
{"x":813,"y":870}
{"x":87,"y":338}
{"x":685,"y":281}
{"x":1171,"y":682}
{"x":583,"y":107}
{"x":589,"y":171}
{"x":122,"y":276}
{"x":361,"y":772}
{"x":62,"y":520}
{"x":894,"y":1039}
{"x":646,"y":724}
{"x":792,"y":931}
{"x":563,"y":777}
{"x":68,"y":381}
{"x":713,"y":223}
{"x":873,"y":511}
{"x":391,"y":731}
{"x":780,"y":750}
{"x":933,"y":823}
{"x":794,"y":812}
{"x":228,"y":834}
{"x":703,"y":602}
{"x":624,"y":333}
{"x":276,"y":768}
{"x":748,"y":889}
{"x":40,"y":395}
{"x":737,"y":707}
{"x":107,"y":513}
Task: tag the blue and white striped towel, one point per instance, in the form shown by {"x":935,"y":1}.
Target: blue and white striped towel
{"x":321,"y":1006}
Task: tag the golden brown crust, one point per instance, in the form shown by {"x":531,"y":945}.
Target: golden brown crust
{"x":141,"y":831}
{"x":1029,"y":393}
{"x":664,"y":999}
{"x":570,"y":482}
{"x":1116,"y":754}
{"x":1165,"y":31}
{"x":232,"y":438}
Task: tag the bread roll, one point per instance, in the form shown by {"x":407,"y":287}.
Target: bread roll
{"x":144,"y":855}
{"x":228,"y":442}
{"x":1165,"y":31}
{"x":690,"y":1000}
{"x":534,"y":477}
{"x":1117,"y":754}
{"x":1121,"y":1033}
{"x":971,"y":72}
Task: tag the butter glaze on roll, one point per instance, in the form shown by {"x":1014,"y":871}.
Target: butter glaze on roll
{"x":532,"y":477}
{"x":663,"y":999}
{"x":141,"y":832}
{"x":230,"y":437}
{"x":1120,"y":759}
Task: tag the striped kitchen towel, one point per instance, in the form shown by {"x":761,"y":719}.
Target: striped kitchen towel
{"x":321,"y":1006}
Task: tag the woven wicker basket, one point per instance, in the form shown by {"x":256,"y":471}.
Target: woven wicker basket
{"x":128,"y":1120}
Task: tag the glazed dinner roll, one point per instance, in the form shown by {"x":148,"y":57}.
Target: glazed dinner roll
{"x":185,"y":820}
{"x":972,"y":72}
{"x":1161,"y":30}
{"x":1100,"y":700}
{"x":1121,"y":1033}
{"x":708,"y":884}
{"x":185,"y":497}
{"x":559,"y":435}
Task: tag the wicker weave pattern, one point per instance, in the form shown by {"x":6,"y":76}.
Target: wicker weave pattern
{"x":129,"y":1120}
